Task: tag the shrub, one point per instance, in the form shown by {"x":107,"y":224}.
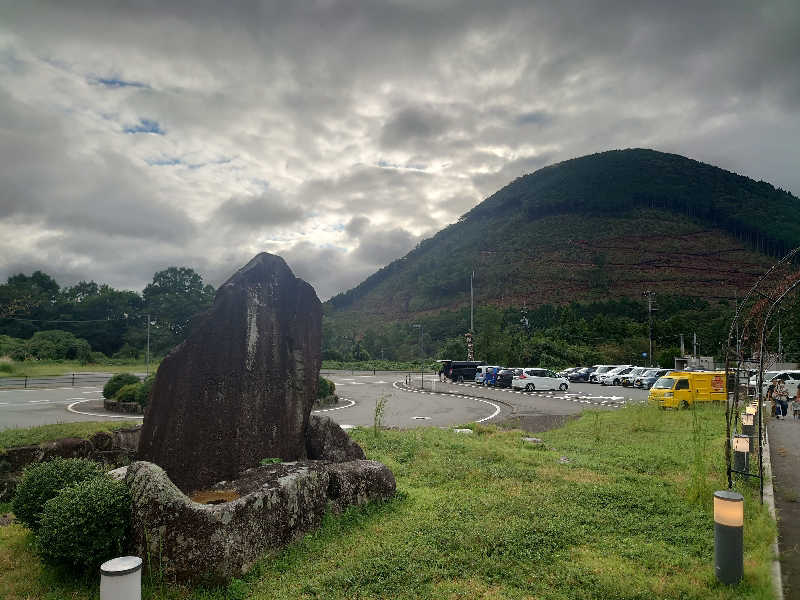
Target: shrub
{"x":42,"y":482}
{"x":6,"y":368}
{"x":98,"y":357}
{"x":85,"y":524}
{"x":143,"y":393}
{"x":119,"y":380}
{"x":127,"y":393}
{"x":326,"y":388}
{"x":55,"y":344}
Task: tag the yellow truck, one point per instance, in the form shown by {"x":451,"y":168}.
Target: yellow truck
{"x":680,"y":389}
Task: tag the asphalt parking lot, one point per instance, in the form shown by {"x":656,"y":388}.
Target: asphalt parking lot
{"x":424,"y":401}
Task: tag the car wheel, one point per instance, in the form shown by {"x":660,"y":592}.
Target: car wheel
{"x":563,"y":387}
{"x":616,"y":382}
{"x":460,"y":379}
{"x":530,"y":387}
{"x":683,"y":405}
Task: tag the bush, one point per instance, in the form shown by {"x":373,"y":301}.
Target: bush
{"x":127,"y":393}
{"x":98,"y":358}
{"x":42,"y":482}
{"x":116,"y":383}
{"x":58,"y":345}
{"x":326,"y":388}
{"x":86,"y":524}
{"x":143,"y":393}
{"x":6,"y":368}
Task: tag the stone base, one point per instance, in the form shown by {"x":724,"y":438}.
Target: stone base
{"x":278,"y":504}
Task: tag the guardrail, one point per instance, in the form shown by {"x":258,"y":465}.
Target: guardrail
{"x":69,"y":380}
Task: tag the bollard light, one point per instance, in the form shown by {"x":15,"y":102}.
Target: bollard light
{"x":747,"y":425}
{"x":728,"y":536}
{"x":121,"y":578}
{"x":741,"y":452}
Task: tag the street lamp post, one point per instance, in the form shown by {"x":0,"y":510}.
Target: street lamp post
{"x":421,"y":355}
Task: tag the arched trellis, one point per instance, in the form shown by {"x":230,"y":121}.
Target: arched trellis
{"x":750,"y":324}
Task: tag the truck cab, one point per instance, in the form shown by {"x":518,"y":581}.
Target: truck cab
{"x":681,"y":389}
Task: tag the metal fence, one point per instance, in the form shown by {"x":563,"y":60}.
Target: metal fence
{"x":69,"y":380}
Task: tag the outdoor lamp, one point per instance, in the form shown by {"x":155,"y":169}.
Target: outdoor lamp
{"x":741,"y":452}
{"x":728,"y":536}
{"x":121,"y":578}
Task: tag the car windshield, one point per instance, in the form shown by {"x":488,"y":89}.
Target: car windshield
{"x":602,"y":370}
{"x":650,"y":373}
{"x":665,"y":383}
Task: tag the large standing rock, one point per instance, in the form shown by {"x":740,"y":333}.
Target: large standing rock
{"x":241,"y":387}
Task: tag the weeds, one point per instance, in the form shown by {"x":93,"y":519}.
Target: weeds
{"x":380,"y":408}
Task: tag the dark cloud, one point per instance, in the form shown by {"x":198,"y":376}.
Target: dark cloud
{"x":265,"y":211}
{"x":374,"y":123}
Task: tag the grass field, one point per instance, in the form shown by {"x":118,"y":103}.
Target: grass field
{"x":25,"y":436}
{"x":44,"y":368}
{"x":615,"y":505}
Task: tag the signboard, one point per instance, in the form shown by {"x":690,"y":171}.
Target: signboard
{"x":717,"y":384}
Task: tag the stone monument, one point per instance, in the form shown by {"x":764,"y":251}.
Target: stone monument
{"x":240,"y":390}
{"x":241,"y":387}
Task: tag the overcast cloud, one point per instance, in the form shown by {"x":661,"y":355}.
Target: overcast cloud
{"x":137,"y":136}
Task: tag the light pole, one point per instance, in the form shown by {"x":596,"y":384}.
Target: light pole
{"x":147,"y":368}
{"x":421,"y":360}
{"x":649,"y":295}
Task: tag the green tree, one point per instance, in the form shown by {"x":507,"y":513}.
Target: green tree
{"x":172,"y":299}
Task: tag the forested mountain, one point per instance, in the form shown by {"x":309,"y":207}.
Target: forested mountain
{"x":594,"y":229}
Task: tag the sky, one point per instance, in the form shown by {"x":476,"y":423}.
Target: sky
{"x":135,"y":136}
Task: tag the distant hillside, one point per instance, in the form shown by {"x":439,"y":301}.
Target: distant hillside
{"x":603,"y":226}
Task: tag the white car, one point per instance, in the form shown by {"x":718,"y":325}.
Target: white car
{"x":599,"y":371}
{"x":532,"y":379}
{"x":791,"y":379}
{"x":614,"y":376}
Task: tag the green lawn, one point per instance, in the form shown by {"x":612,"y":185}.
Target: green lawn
{"x":44,"y":368}
{"x":613,"y":505}
{"x":25,"y":436}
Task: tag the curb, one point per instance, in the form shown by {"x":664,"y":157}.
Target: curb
{"x":402,"y":387}
{"x":769,"y":498}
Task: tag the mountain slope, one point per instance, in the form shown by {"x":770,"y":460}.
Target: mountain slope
{"x":601,"y":226}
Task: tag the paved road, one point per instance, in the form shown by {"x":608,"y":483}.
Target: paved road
{"x":406,"y":407}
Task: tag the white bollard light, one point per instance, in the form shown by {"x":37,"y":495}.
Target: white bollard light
{"x":121,"y":578}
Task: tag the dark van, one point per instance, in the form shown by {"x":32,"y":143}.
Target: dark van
{"x":461,"y":370}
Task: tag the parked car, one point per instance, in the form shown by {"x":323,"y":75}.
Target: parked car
{"x":539,"y":379}
{"x":649,"y":377}
{"x":790,"y":378}
{"x":600,"y":370}
{"x":566,"y":372}
{"x":460,"y":370}
{"x":612,"y":377}
{"x":505,"y":376}
{"x":627,"y":380}
{"x":480,"y":373}
{"x":581,"y":375}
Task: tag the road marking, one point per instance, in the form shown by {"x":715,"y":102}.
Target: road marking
{"x":71,"y":408}
{"x":352,"y":403}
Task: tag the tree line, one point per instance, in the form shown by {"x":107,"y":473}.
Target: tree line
{"x":40,"y":319}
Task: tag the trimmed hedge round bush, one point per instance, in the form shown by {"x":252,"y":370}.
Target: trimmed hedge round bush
{"x":127,"y":393}
{"x":86,"y":524}
{"x":143,"y":393}
{"x":117,"y":382}
{"x":326,"y":388}
{"x":42,"y":482}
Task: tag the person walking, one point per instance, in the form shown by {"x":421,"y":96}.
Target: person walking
{"x":781,"y":400}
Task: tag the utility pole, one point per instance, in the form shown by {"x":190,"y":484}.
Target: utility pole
{"x":421,"y":329}
{"x":683,"y":348}
{"x":694,"y":344}
{"x":649,"y":295}
{"x":780,"y":344}
{"x":471,"y":302}
{"x":147,"y":367}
